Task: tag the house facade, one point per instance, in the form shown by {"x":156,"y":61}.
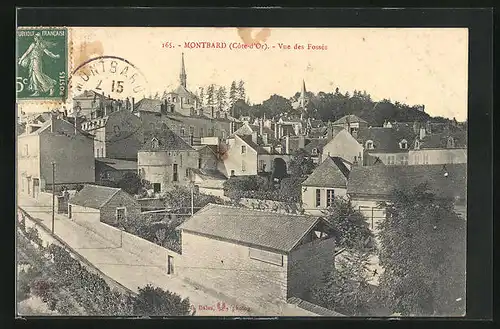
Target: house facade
{"x":369,"y":186}
{"x":118,"y":134}
{"x":327,"y":182}
{"x":96,"y":203}
{"x":165,"y":161}
{"x":54,"y":141}
{"x":279,"y":256}
{"x":439,"y":148}
{"x":351,"y":123}
{"x":113,"y":170}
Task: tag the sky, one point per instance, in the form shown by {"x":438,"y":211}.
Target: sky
{"x":409,"y":65}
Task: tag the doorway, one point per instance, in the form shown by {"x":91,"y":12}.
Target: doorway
{"x":170,"y":265}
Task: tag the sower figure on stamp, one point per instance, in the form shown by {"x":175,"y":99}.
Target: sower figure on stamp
{"x":39,"y":82}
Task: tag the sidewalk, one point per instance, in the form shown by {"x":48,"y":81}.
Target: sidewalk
{"x":133,"y":271}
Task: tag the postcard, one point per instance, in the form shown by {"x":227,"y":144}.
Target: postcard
{"x":206,"y":171}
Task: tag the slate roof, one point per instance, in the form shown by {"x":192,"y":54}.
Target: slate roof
{"x":167,"y":140}
{"x":209,"y":174}
{"x":332,"y":172}
{"x":93,"y":196}
{"x":181,"y":90}
{"x":277,"y":231}
{"x":317,"y":143}
{"x":317,"y":132}
{"x":440,"y":140}
{"x":118,"y":164}
{"x":352,"y":119}
{"x":383,"y":180}
{"x":148,"y":105}
{"x":386,"y":139}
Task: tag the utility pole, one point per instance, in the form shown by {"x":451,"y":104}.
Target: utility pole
{"x":192,"y":198}
{"x":53,"y":194}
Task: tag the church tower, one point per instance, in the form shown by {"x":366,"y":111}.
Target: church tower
{"x":183,"y":76}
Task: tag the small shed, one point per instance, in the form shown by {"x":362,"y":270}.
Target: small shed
{"x":96,"y":203}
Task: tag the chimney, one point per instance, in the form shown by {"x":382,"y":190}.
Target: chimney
{"x":265,"y":138}
{"x":276,"y":131}
{"x":261,"y":126}
{"x":212,"y":112}
{"x":133,"y":104}
{"x":415,"y":127}
{"x":422,"y":133}
{"x":180,"y":99}
{"x":254,"y":137}
{"x":287,"y":144}
{"x":302,"y":141}
{"x":329,"y":131}
{"x":428,"y":128}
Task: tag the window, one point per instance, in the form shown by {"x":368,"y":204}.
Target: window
{"x":404,"y":159}
{"x":417,"y":158}
{"x":199,"y":163}
{"x":403,"y":144}
{"x":187,"y":172}
{"x":201,"y":132}
{"x":243,"y":149}
{"x":330,"y":196}
{"x":314,"y":151}
{"x":232,"y":173}
{"x":102,"y":152}
{"x":155,"y":143}
{"x":318,"y":197}
{"x":417,"y":144}
{"x":191,"y":130}
{"x":243,"y":166}
{"x":262,"y":165}
{"x":163,"y":126}
{"x":223,"y":134}
{"x":426,"y":158}
{"x":451,"y":142}
{"x":183,"y":131}
{"x":369,"y":145}
{"x":265,"y":256}
{"x":97,"y":153}
{"x":390,"y":159}
{"x":121,"y":214}
{"x":175,"y":177}
{"x":156,"y":187}
{"x":152,"y":126}
{"x":187,"y":100}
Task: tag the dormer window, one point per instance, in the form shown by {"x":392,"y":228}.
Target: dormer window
{"x":417,"y":144}
{"x":154,"y":143}
{"x":403,"y":144}
{"x":314,"y":151}
{"x":369,"y":145}
{"x":451,"y":142}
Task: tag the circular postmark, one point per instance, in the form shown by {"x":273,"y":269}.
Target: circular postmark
{"x":108,"y":86}
{"x":112,"y":76}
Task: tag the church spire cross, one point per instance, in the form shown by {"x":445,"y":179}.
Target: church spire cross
{"x":183,"y":76}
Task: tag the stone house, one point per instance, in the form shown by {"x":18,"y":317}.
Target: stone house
{"x":56,"y":140}
{"x":327,"y":182}
{"x":389,"y":145}
{"x":338,"y":143}
{"x":96,"y":203}
{"x":351,"y":123}
{"x":439,"y":148}
{"x":118,"y":134}
{"x":246,"y":155}
{"x":368,"y":186}
{"x":254,"y":255}
{"x":165,"y":160}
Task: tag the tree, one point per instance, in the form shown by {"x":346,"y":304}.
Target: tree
{"x":301,"y":164}
{"x":202,"y":96}
{"x":131,"y":183}
{"x":345,"y":288}
{"x":221,"y":100}
{"x":241,"y":90}
{"x":350,"y":227}
{"x":423,"y":255}
{"x":233,"y":94}
{"x":157,"y":96}
{"x":275,"y":105}
{"x":240,"y":108}
{"x":211,"y":95}
{"x":158,"y":302}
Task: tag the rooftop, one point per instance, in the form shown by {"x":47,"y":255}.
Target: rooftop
{"x":386,"y":139}
{"x":118,"y":164}
{"x":351,"y":118}
{"x":94,"y":196}
{"x":330,"y":173}
{"x":449,"y":181}
{"x":272,"y":230}
{"x":167,"y":140}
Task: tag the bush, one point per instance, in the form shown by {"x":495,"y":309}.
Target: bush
{"x":158,"y":302}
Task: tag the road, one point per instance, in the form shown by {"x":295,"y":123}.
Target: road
{"x":133,"y":271}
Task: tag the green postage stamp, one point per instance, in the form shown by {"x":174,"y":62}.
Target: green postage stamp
{"x":41,"y":68}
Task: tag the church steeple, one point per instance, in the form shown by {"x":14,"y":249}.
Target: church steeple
{"x":303,"y":96}
{"x":183,"y":76}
